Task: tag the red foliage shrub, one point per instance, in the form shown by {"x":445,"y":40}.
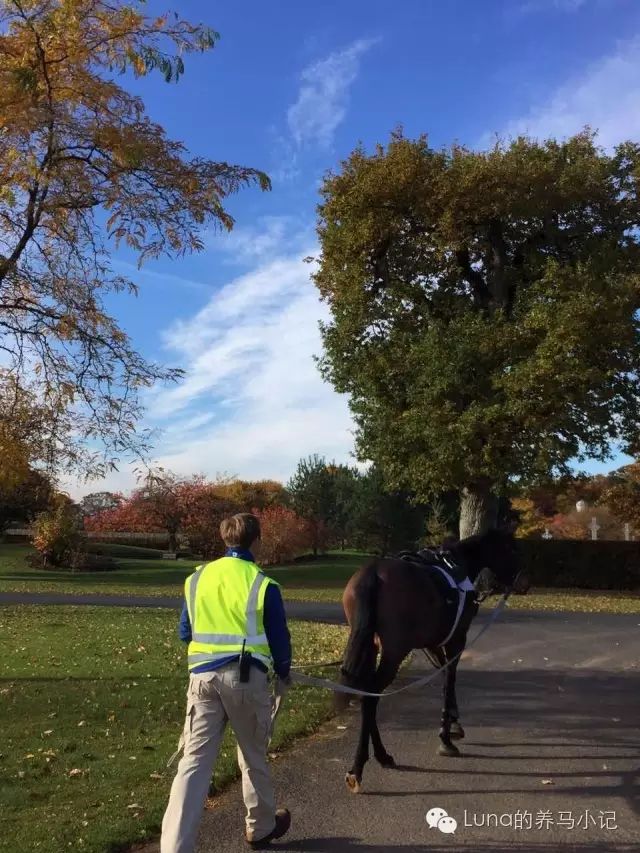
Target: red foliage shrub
{"x":285,"y":535}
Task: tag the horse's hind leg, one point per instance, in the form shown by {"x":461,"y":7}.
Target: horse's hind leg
{"x":386,"y":672}
{"x":353,"y":778}
{"x":382,"y":756}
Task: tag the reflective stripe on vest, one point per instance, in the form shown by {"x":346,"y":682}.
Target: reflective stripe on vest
{"x":206,"y":657}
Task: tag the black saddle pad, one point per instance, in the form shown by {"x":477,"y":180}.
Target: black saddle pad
{"x":438,"y":559}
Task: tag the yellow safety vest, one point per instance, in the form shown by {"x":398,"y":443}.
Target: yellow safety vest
{"x":225,"y":600}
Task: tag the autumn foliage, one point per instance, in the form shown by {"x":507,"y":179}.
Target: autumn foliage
{"x":191,"y":509}
{"x":83,"y":169}
{"x":57,"y":536}
{"x":285,"y":535}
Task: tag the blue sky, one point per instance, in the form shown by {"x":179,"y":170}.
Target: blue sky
{"x":291,"y":88}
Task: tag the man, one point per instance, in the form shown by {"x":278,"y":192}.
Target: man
{"x":234,"y":621}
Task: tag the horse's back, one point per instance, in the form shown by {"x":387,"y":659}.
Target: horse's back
{"x":409,"y":605}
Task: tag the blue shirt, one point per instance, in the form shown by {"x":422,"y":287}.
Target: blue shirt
{"x":275,"y":627}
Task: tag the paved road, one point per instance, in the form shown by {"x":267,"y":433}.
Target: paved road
{"x":543,"y":696}
{"x":308,"y":610}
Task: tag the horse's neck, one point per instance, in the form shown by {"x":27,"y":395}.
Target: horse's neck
{"x":464,"y":554}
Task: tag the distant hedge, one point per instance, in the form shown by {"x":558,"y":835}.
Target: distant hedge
{"x":115,"y":550}
{"x":581,"y":564}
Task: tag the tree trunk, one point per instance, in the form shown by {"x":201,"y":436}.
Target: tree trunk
{"x":478,"y":510}
{"x":173,"y":541}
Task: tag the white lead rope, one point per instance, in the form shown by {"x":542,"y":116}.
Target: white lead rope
{"x":312,"y":681}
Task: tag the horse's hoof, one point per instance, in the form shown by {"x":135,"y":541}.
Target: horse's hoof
{"x":448,"y":749}
{"x":386,"y":760}
{"x":456,"y":731}
{"x":353,"y":783}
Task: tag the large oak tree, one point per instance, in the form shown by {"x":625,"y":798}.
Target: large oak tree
{"x":484,"y":310}
{"x":83,"y":169}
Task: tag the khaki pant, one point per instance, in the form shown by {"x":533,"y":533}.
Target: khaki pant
{"x":213,"y":699}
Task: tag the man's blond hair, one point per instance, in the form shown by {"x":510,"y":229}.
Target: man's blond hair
{"x":240,"y":531}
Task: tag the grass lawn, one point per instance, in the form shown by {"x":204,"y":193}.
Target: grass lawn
{"x":314,"y":580}
{"x":166,"y":577}
{"x":91,"y":708}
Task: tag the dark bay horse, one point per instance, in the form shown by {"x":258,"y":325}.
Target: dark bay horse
{"x":395,"y":606}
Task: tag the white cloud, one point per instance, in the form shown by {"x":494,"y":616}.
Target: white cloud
{"x":263,"y":241}
{"x":533,"y":6}
{"x":249,"y":355}
{"x":322,"y":99}
{"x":606,"y":97}
{"x":252,"y":401}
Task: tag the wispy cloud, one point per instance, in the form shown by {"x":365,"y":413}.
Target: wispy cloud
{"x":264,"y":240}
{"x":606,"y":97}
{"x":322,"y":99}
{"x":533,"y":6}
{"x":252,"y":401}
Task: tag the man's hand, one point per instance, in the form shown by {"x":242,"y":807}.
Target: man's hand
{"x":282,"y":685}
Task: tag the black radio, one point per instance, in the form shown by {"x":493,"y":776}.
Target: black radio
{"x":245,"y":664}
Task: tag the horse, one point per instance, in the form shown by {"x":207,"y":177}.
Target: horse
{"x":394,"y":606}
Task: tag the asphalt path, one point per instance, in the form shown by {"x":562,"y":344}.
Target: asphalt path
{"x":308,"y":610}
{"x":551,"y":707}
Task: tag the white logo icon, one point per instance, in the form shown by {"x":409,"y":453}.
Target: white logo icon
{"x":439,"y":818}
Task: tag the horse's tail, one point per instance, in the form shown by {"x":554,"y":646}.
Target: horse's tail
{"x":359,"y":664}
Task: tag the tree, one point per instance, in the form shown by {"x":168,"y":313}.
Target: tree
{"x":483,"y":310}
{"x":22,"y":501}
{"x":531,"y":522}
{"x":83,"y":169}
{"x":131,"y":516}
{"x":344,"y":488}
{"x":622,"y":495}
{"x":311,"y":490}
{"x":27,"y":427}
{"x":99,"y":502}
{"x":57,"y":536}
{"x":577,"y":525}
{"x":161,"y":502}
{"x":385,"y":521}
{"x":202,"y":510}
{"x":284,"y":535}
{"x":439,"y":526}
{"x":249,"y":495}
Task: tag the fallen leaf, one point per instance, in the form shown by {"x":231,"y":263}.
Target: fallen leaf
{"x":134,"y":806}
{"x":82,"y":723}
{"x":76,"y":772}
{"x":48,"y":732}
{"x":156,"y":776}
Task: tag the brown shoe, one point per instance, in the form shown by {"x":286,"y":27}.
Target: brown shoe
{"x":283,"y":822}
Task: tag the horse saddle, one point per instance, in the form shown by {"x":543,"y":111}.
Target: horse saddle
{"x":440,"y":560}
{"x":450,"y":578}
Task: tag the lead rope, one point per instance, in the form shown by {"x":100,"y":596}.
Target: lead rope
{"x":313,"y":681}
